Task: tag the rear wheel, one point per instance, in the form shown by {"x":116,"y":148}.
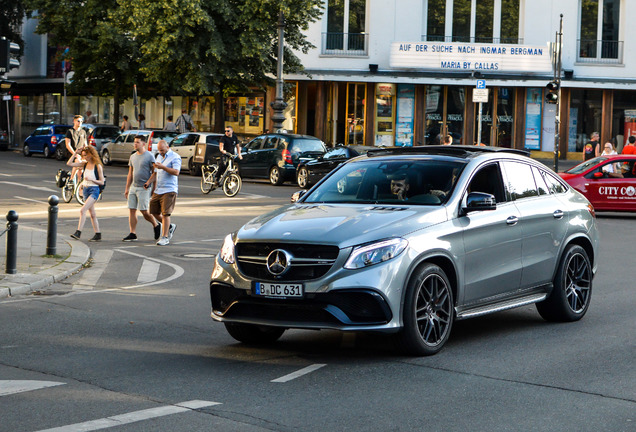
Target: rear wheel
{"x":47,"y":152}
{"x":232,"y":185}
{"x":26,"y":151}
{"x":106,"y":158}
{"x":207,"y":180}
{"x":428,"y":312}
{"x":59,"y":153}
{"x":572,"y":291}
{"x":254,"y":334}
{"x":79,"y":193}
{"x":275,"y":176}
{"x":302,"y":177}
{"x":67,"y":190}
{"x":193,"y":169}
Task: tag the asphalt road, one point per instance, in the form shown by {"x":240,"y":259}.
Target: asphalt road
{"x":128,"y":343}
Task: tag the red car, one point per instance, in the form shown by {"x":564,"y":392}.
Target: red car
{"x":608,"y":182}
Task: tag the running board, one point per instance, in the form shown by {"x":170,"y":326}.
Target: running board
{"x":498,"y":307}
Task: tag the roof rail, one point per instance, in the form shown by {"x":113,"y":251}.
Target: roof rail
{"x":449,"y":150}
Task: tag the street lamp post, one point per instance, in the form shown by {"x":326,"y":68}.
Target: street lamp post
{"x":557,"y":80}
{"x":279,"y":104}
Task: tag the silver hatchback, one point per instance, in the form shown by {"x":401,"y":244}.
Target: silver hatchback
{"x":407,"y":241}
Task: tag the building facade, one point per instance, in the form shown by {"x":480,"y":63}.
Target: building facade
{"x":404,"y":72}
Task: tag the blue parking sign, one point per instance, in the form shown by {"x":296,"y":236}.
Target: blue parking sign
{"x":481,"y":84}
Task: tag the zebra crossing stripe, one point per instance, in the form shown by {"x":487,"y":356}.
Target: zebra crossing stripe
{"x":8,"y":387}
{"x":91,"y":275}
{"x":133,"y":417}
{"x":148,"y":272}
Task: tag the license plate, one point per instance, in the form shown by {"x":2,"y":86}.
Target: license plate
{"x":268,"y":289}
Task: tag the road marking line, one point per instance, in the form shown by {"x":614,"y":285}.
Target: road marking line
{"x":28,"y":186}
{"x":299,"y":373}
{"x":6,"y":175}
{"x":179,"y":271}
{"x":91,"y":275}
{"x":22,"y":164}
{"x":31,"y":199}
{"x":148,"y":272}
{"x":8,"y":387}
{"x":133,"y":417}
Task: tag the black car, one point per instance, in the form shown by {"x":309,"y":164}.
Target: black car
{"x":310,"y":172}
{"x":276,"y":156}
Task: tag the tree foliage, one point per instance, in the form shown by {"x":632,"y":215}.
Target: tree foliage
{"x":12,"y":15}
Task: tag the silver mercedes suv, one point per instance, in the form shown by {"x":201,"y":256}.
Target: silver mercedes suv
{"x":408,"y":240}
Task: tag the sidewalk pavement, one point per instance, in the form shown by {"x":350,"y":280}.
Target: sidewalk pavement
{"x":34,"y":269}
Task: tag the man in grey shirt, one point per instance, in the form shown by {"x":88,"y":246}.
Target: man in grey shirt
{"x":138,"y":188}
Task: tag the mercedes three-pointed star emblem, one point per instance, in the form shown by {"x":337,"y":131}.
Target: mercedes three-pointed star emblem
{"x":278,"y":262}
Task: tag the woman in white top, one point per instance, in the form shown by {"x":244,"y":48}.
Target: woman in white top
{"x":93,"y":179}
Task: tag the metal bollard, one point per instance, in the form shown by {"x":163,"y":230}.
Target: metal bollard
{"x":12,"y":242}
{"x":51,"y":234}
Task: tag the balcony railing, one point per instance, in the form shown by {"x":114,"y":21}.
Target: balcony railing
{"x":468,"y":39}
{"x":345,"y":44}
{"x":600,"y":51}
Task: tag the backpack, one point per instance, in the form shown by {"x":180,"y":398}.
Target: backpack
{"x":61,"y":177}
{"x":101,"y":187}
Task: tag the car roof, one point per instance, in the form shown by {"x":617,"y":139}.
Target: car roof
{"x":460,"y":151}
{"x":295,"y":136}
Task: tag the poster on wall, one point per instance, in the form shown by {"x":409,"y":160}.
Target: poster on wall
{"x":574,"y":113}
{"x":547,"y":132}
{"x":405,"y":115}
{"x":533,"y":119}
{"x":384,"y":120}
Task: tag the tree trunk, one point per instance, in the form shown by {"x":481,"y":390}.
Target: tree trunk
{"x":116,"y":100}
{"x":219,"y":112}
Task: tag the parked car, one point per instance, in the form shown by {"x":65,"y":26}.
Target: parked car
{"x":275,"y":156}
{"x":99,"y":134}
{"x":310,"y":172}
{"x":46,"y":139}
{"x":185,"y":146}
{"x":609,"y":182}
{"x":4,"y":140}
{"x":122,"y":147}
{"x":418,"y":238}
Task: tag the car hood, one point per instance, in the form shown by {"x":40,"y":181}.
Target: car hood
{"x":342,"y":225}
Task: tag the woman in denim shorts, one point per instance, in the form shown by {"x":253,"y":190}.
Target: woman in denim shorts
{"x":93,"y":179}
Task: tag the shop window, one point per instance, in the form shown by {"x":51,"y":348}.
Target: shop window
{"x":356,"y":94}
{"x":472,"y":21}
{"x":384,"y":114}
{"x":346,"y":28}
{"x":245,"y":114}
{"x":405,"y":115}
{"x":435,"y":97}
{"x":598,"y":37}
{"x":623,"y":118}
{"x":586,"y":106}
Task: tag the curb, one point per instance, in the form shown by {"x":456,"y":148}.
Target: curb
{"x":26,"y":283}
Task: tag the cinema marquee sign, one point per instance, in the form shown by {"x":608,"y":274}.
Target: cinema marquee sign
{"x":474,"y":57}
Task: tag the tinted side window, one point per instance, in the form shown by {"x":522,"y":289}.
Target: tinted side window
{"x":542,"y":188}
{"x":554,"y":184}
{"x":488,"y":180}
{"x":41,"y":131}
{"x":520,"y":181}
{"x":270,"y":143}
{"x":211,"y":139}
{"x":336,"y":154}
{"x":255,"y":144}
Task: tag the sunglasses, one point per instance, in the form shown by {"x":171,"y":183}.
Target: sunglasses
{"x":227,"y":130}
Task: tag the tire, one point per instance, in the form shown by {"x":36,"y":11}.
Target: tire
{"x":59,"y":153}
{"x":207,"y":186}
{"x":26,"y":151}
{"x":428,"y":312}
{"x":572,"y":290}
{"x":275,"y":176}
{"x":79,"y":194}
{"x":67,"y":191}
{"x":302,"y":177}
{"x":106,"y":160}
{"x":193,"y":170}
{"x":254,"y":334}
{"x":47,"y":152}
{"x":232,"y":185}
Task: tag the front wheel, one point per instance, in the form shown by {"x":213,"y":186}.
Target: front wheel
{"x":572,"y":291}
{"x":275,"y":176}
{"x":254,"y":334}
{"x":79,"y":193}
{"x":67,"y":190}
{"x":232,"y":185}
{"x":106,"y":158}
{"x":26,"y":151}
{"x":428,"y":312}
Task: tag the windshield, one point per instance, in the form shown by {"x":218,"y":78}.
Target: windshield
{"x":586,"y":165}
{"x":426,"y":182}
{"x":302,"y":145}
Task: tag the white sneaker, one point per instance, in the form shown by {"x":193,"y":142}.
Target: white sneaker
{"x":171,"y":230}
{"x":163,"y":241}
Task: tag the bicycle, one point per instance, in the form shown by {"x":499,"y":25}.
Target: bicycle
{"x":230,"y":180}
{"x":74,"y":187}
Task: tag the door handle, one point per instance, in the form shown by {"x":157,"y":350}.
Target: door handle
{"x":558,"y":214}
{"x":512,"y":220}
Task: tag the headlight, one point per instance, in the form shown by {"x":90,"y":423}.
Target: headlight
{"x":227,"y":250}
{"x":368,"y":255}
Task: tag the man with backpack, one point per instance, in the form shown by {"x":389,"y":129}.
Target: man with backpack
{"x":184,"y":122}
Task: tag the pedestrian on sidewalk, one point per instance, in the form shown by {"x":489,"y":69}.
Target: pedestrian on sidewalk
{"x":170,"y":127}
{"x":184,"y":122}
{"x":139,"y":188}
{"x":167,"y":167}
{"x":125,"y":125}
{"x":93,"y":179}
{"x":592,"y":148}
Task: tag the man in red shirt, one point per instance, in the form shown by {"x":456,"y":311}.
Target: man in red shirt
{"x":630,"y":148}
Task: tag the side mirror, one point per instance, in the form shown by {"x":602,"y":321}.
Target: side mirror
{"x":598,"y":175}
{"x":477,"y":201}
{"x":297,"y":195}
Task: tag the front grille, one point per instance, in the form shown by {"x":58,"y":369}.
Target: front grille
{"x":308,"y":261}
{"x":335,"y":308}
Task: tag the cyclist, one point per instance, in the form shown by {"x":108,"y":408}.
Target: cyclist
{"x":93,"y":179}
{"x":76,"y":140}
{"x":228,"y":145}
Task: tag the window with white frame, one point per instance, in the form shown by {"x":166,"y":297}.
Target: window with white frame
{"x":598,"y":37}
{"x":346,"y":27}
{"x":484,"y":21}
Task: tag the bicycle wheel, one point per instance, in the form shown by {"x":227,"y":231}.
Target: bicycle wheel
{"x":232,"y":185}
{"x":67,"y":190}
{"x":79,"y":193}
{"x":207,"y":180}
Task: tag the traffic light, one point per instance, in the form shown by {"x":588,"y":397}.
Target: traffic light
{"x":9,"y":52}
{"x":552,"y":92}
